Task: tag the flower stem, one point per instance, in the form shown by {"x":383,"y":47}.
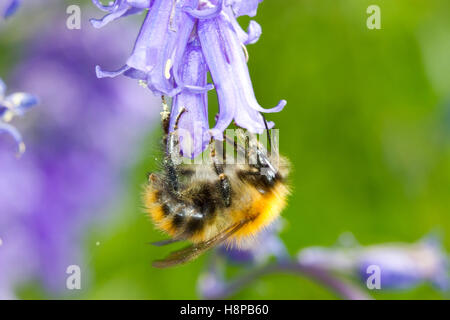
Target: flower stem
{"x":342,"y":288}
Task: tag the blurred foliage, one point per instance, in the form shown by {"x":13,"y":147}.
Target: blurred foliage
{"x":367,"y":129}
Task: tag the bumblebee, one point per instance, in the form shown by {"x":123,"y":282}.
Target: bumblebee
{"x":215,"y":203}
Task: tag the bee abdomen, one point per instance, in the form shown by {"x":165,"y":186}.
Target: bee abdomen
{"x":189,"y":218}
{"x":179,"y":219}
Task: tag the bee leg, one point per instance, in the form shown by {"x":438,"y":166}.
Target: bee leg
{"x":167,"y":142}
{"x":225,"y":186}
{"x":171,"y":153}
{"x":165,"y":118}
{"x":170,"y":139}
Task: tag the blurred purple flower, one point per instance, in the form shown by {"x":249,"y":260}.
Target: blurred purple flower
{"x":212,"y":282}
{"x":266,"y":245}
{"x":402,"y":266}
{"x":11,"y":106}
{"x":159,"y":59}
{"x":80,"y":142}
{"x":11,"y":8}
{"x":406,"y":266}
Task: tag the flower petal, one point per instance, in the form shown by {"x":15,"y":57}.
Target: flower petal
{"x":2,"y":89}
{"x":226,"y":61}
{"x":110,"y":74}
{"x":121,"y":12}
{"x":159,"y":47}
{"x":11,"y":8}
{"x":193,"y":126}
{"x":254,"y":32}
{"x":114,"y":5}
{"x":245,"y":7}
{"x":20,"y":102}
{"x":13,"y":132}
{"x":142,"y":4}
{"x":99,"y":23}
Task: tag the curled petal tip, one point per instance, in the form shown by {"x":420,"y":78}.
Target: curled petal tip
{"x":98,"y":71}
{"x":254,"y":32}
{"x":96,"y":23}
{"x":110,"y":74}
{"x":275,"y":109}
{"x":13,"y":132}
{"x":114,"y":15}
{"x":282,"y":103}
{"x":20,"y":102}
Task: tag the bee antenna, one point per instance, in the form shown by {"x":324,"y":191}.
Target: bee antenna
{"x":177,"y":120}
{"x":268,"y":133}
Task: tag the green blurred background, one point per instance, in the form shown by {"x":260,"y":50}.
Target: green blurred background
{"x":367,"y":129}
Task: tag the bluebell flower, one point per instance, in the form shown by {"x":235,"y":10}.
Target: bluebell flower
{"x":401,"y":265}
{"x":159,"y":46}
{"x":227,"y":63}
{"x":81,"y":143}
{"x":159,"y":60}
{"x":193,"y":124}
{"x":11,"y":106}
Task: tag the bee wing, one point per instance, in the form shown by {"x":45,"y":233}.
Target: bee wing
{"x":164,"y":242}
{"x":193,"y":251}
